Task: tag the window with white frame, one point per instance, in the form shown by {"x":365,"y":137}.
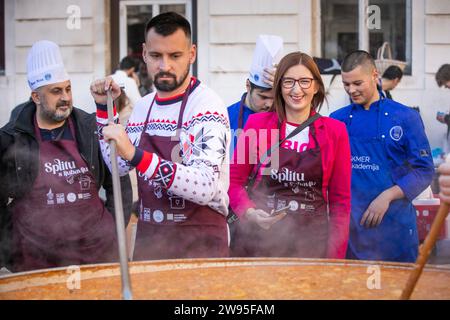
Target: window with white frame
{"x":339,"y":28}
{"x":134,"y":15}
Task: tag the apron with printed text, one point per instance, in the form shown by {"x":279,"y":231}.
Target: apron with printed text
{"x":171,"y":226}
{"x":303,"y":232}
{"x":62,"y":221}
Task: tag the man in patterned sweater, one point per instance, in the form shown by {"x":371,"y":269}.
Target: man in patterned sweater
{"x":178,"y":139}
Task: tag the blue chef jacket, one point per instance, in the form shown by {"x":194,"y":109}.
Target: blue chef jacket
{"x":389,"y":147}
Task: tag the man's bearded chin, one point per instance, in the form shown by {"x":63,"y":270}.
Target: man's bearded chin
{"x":169,"y":85}
{"x":58,"y":115}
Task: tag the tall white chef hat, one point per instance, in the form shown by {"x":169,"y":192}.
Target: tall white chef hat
{"x":268,"y":52}
{"x":45,"y":65}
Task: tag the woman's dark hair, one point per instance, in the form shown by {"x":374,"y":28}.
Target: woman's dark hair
{"x":288,"y":61}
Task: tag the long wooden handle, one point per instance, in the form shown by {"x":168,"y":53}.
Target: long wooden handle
{"x":118,"y":207}
{"x":425,"y":250}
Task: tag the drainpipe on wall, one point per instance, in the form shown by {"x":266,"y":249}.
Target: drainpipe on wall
{"x":363,"y":31}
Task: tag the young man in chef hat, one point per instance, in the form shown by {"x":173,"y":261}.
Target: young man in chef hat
{"x":259,"y":96}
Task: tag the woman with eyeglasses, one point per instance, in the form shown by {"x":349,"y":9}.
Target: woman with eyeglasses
{"x":290,"y":174}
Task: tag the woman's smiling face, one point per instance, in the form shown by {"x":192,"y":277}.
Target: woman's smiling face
{"x":298,"y":98}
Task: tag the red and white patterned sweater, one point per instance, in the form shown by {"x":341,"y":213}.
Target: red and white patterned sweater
{"x":202,"y":176}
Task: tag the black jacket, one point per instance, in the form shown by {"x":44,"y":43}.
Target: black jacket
{"x":19,"y":160}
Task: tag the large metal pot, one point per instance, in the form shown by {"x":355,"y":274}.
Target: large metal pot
{"x":259,"y":278}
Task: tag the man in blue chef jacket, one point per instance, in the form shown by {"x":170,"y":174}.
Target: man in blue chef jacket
{"x":259,"y":96}
{"x":391,"y":165}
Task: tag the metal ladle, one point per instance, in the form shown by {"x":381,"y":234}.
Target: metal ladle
{"x":118,"y":206}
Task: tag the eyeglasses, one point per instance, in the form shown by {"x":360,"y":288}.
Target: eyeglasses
{"x":304,"y":83}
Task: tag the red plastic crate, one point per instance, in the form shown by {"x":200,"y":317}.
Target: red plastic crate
{"x":425,"y":217}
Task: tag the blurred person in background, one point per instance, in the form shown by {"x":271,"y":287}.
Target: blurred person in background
{"x":259,"y":94}
{"x":443,"y":80}
{"x":390,"y":79}
{"x":127,"y":78}
{"x":146,"y":82}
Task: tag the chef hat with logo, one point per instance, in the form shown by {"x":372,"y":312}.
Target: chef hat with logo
{"x":268,"y":52}
{"x":45,"y":65}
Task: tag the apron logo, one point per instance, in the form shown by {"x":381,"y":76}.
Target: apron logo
{"x":60,"y":198}
{"x":71,"y":197}
{"x":50,"y":197}
{"x":84,"y":196}
{"x":287,"y":175}
{"x":146,"y":215}
{"x":271,"y":201}
{"x":67,"y":169}
{"x":291,"y":179}
{"x":396,"y":133}
{"x":58,"y":166}
{"x":158,"y":216}
{"x":85,"y":183}
{"x":177,"y":203}
{"x":294,"y":205}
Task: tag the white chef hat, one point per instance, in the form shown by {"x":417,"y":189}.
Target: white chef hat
{"x":268,"y":52}
{"x":45,"y":65}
